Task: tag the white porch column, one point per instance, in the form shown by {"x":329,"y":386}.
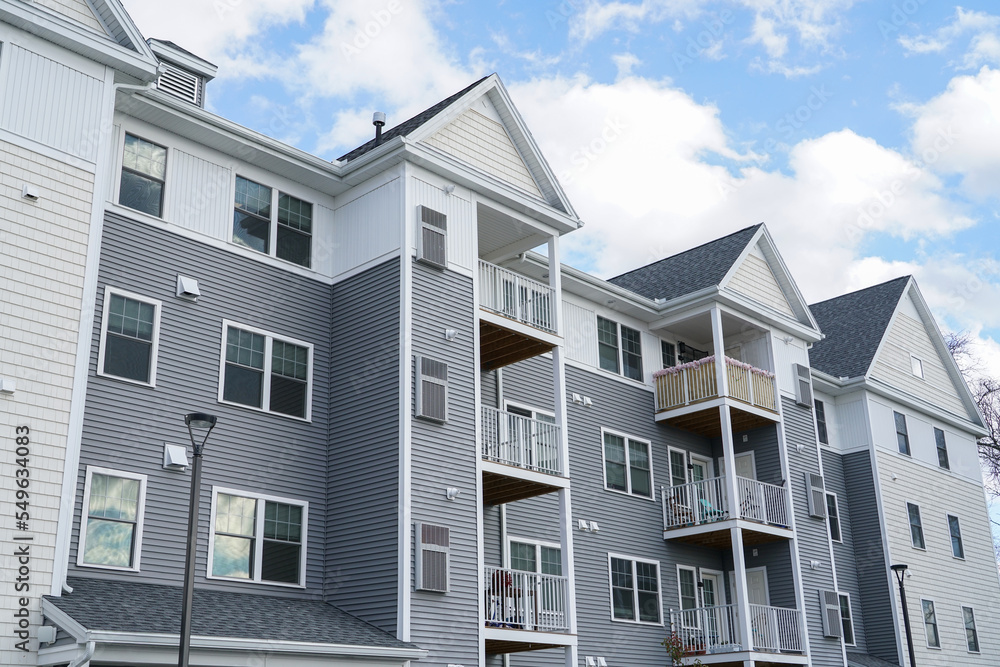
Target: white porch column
{"x":736,"y":534}
{"x":719,"y":342}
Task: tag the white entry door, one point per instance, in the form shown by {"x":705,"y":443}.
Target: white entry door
{"x":745,"y":466}
{"x":757,"y":586}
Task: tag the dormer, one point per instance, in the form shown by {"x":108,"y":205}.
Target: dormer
{"x":182,"y":74}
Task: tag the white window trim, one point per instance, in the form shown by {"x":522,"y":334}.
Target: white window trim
{"x":840,"y":524}
{"x":154,"y":351}
{"x":670,"y":464}
{"x":698,"y":602}
{"x":635,"y":589}
{"x":266,"y":389}
{"x":975,"y":620}
{"x":628,"y":467}
{"x":258,"y":537}
{"x":84,"y":518}
{"x":538,"y":544}
{"x":937,"y":624}
{"x":272,"y":229}
{"x":527,"y":408}
{"x":947,"y":522}
{"x":909,"y":528}
{"x":621,"y":352}
{"x":919,"y":363}
{"x":850,"y":608}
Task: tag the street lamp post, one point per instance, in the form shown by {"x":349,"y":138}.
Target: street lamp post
{"x":196,"y":421}
{"x":900,"y":572}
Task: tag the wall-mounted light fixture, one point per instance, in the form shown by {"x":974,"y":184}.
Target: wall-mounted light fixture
{"x":451,"y":493}
{"x":450,"y":334}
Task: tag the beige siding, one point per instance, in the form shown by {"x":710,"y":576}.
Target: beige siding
{"x":755,"y":279}
{"x":485,"y":144}
{"x":937,"y":575}
{"x":908,"y":336}
{"x":42,"y":270}
{"x":76,"y":10}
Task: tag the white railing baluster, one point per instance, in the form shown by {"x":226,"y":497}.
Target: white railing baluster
{"x":515,"y":440}
{"x":516,"y":297}
{"x":776,"y":629}
{"x":526,"y":600}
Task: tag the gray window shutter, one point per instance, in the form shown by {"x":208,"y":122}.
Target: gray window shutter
{"x":816,"y":489}
{"x":830,"y":604}
{"x":432,"y":561}
{"x":432,"y":389}
{"x":803,"y":386}
{"x":432,"y":237}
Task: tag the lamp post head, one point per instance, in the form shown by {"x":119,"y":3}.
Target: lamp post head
{"x":899,"y":570}
{"x":201,"y":422}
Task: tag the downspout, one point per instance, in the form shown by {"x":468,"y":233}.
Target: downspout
{"x":84,"y":660}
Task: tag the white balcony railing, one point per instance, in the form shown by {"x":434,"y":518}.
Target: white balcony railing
{"x":516,"y":297}
{"x":708,"y":630}
{"x":776,"y":629}
{"x":515,"y":440}
{"x":696,"y":381}
{"x":526,"y":601}
{"x":704,"y":502}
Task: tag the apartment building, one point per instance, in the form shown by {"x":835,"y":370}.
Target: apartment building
{"x":432,"y":446}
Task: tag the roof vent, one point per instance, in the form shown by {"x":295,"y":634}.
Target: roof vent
{"x":378,"y":120}
{"x":182,"y":74}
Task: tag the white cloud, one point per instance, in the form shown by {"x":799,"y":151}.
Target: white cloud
{"x":625,"y":63}
{"x":957,"y":131}
{"x":596,"y":17}
{"x":764,"y":33}
{"x":984,"y":46}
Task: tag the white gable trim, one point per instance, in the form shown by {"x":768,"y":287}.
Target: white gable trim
{"x":781,"y":274}
{"x":104,"y":9}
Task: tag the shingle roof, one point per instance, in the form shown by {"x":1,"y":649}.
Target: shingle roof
{"x":689,"y":271}
{"x":122,"y":606}
{"x":408,"y":126}
{"x":854,"y":325}
{"x":865,"y":660}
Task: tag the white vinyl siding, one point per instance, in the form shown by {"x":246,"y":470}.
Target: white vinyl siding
{"x":755,"y":279}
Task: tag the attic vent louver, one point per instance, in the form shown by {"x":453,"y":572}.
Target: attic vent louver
{"x":181,"y":84}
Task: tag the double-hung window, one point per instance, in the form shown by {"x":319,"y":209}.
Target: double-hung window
{"x":635,"y":590}
{"x":902,"y":437}
{"x":619,"y":348}
{"x":833,"y":516}
{"x":627,"y":466}
{"x":111,"y":530}
{"x":266,"y":372}
{"x":971,"y":634}
{"x":284,"y":231}
{"x":931,"y":624}
{"x":130,"y":328}
{"x":846,"y":619}
{"x":144,"y":170}
{"x":821,"y":432}
{"x":668,"y":354}
{"x":916,"y":527}
{"x":957,"y":550}
{"x":544,"y":559}
{"x":942,"y":449}
{"x":258,"y":538}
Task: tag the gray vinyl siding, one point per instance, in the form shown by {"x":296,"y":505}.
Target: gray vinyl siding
{"x":777,"y":558}
{"x":442,"y":456}
{"x":492,"y":536}
{"x":812,"y":534}
{"x":843,"y":553}
{"x":362,"y":566}
{"x":126,"y":425}
{"x":869,"y":554}
{"x":763,"y":442}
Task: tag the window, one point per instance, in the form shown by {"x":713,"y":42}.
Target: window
{"x":130,"y":329}
{"x":942,"y":449}
{"x":283,"y":386}
{"x":678,"y":468}
{"x":821,"y":431}
{"x":833,"y":514}
{"x":957,"y":550}
{"x":971,"y":635}
{"x":625,"y":358}
{"x":635,"y":590}
{"x":291,"y":232}
{"x":258,"y":538}
{"x":111,"y":530}
{"x":668,"y":354}
{"x":846,"y":620}
{"x":916,"y":528}
{"x":687,"y":590}
{"x":902,"y":439}
{"x":930,"y":624}
{"x":535,"y":557}
{"x":627,"y":465}
{"x":916,"y":366}
{"x":144,"y":168}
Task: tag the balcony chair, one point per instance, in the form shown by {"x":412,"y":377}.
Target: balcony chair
{"x":709,"y":513}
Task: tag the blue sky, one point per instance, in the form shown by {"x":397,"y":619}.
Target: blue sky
{"x":864,"y":134}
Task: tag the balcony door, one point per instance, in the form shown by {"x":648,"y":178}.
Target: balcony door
{"x":531,"y":439}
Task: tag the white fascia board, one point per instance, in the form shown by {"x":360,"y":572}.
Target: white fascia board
{"x":802,"y":304}
{"x":127,"y":25}
{"x":78,"y":39}
{"x":64,"y":621}
{"x":772,"y":317}
{"x":888,"y":328}
{"x":204,"y":127}
{"x":186,"y":60}
{"x":914,"y":403}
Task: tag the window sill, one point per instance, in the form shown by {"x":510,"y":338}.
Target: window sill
{"x":117,"y":378}
{"x":632,"y":495}
{"x":113,"y":568}
{"x":658,"y":624}
{"x":254,"y":581}
{"x":306,"y":420}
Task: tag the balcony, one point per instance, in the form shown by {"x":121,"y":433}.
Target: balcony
{"x":521,"y":457}
{"x":525,"y":611}
{"x":714,"y":631}
{"x":684,"y":393}
{"x":700,"y":512}
{"x":517,"y":319}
